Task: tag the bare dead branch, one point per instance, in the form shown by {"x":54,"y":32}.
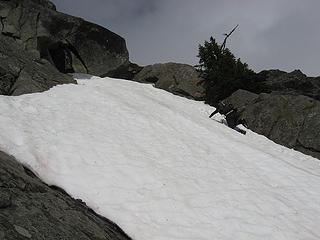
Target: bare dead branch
{"x":223,"y":46}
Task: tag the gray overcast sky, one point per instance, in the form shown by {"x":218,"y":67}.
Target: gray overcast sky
{"x":282,"y":34}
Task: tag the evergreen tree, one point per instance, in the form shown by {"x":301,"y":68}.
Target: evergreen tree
{"x":223,"y":73}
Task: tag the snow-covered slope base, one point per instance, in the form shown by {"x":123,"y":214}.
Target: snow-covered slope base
{"x":158,"y":166}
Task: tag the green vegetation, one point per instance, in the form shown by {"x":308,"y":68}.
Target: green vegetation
{"x":223,"y":73}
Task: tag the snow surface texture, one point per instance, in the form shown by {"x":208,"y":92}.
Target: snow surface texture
{"x":158,"y":166}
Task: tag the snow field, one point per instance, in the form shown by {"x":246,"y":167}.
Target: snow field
{"x":155,"y":164}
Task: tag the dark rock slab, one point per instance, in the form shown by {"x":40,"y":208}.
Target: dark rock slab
{"x":22,"y":72}
{"x":290,"y":120}
{"x":293,"y":83}
{"x":29,"y":209}
{"x":180,"y":79}
{"x":127,"y":72}
{"x":69,"y":43}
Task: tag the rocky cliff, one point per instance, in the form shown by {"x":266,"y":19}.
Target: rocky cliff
{"x":69,"y":43}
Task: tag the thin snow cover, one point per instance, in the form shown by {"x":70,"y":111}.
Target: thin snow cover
{"x":158,"y":166}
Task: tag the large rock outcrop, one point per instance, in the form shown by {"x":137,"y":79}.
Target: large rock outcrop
{"x":22,"y":72}
{"x":290,"y":120}
{"x":294,"y":83}
{"x":29,"y":209}
{"x":69,"y":43}
{"x":180,"y":79}
{"x":127,"y":72}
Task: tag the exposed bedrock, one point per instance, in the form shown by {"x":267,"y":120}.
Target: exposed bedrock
{"x":290,"y":120}
{"x":69,"y":43}
{"x":177,"y":78}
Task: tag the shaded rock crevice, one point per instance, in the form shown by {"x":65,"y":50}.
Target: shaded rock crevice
{"x":22,"y":72}
{"x":78,"y":56}
{"x":2,"y":23}
{"x":13,"y":86}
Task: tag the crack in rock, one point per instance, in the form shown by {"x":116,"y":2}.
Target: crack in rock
{"x":2,"y":23}
{"x":76,"y":53}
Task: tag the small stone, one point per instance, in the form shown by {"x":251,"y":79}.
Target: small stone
{"x":22,"y":231}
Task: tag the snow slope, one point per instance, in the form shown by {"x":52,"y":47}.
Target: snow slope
{"x":158,"y":166}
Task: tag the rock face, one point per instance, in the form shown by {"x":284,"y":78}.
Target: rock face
{"x":126,"y":72}
{"x":69,"y":43}
{"x":180,"y":79}
{"x":294,"y":83}
{"x":282,"y":106}
{"x":21,"y":72}
{"x":29,"y":209}
{"x":290,"y":120}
